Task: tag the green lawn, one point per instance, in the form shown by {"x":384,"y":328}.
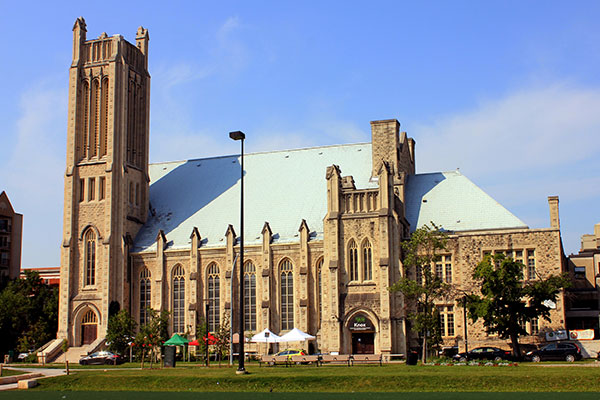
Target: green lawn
{"x":335,"y":379}
{"x":10,"y":372}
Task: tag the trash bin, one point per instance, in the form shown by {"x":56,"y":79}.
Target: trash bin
{"x":169,"y":356}
{"x":412,"y":357}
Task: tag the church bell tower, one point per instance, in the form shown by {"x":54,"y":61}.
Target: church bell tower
{"x":106,"y":180}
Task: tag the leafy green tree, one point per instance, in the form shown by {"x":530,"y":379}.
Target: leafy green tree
{"x":200,"y":335}
{"x":28,"y":313}
{"x":221,"y":345}
{"x":152,"y":335}
{"x":506,"y":299}
{"x":121,"y":329}
{"x":421,"y":286}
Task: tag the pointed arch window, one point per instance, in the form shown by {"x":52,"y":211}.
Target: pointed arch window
{"x":95,"y":128}
{"x":353,"y":260}
{"x":90,"y":257}
{"x":287,"y":295}
{"x":249,"y":296}
{"x":367,"y":251}
{"x":178,"y":299}
{"x":104,"y":118}
{"x":89,"y":318}
{"x":214,"y":296}
{"x":319,"y":293}
{"x":86,"y":120}
{"x":145,"y":295}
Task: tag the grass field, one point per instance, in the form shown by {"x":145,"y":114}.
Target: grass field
{"x":335,"y":379}
{"x":10,"y":372}
{"x":40,"y":395}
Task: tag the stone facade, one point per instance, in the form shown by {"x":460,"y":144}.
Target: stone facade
{"x":538,"y":249}
{"x":334,"y":286}
{"x":106,"y":179}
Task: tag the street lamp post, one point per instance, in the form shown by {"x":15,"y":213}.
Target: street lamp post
{"x":239,"y":135}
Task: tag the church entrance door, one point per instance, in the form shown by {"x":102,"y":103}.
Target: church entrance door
{"x":363,"y":343}
{"x":89,"y":328}
{"x":363,"y":334}
{"x":88,"y":334}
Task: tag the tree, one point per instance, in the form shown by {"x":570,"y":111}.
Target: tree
{"x":153,"y":334}
{"x":222,"y":338}
{"x":506,"y":299}
{"x":28,"y":313}
{"x":120,"y":332}
{"x":421,"y":285}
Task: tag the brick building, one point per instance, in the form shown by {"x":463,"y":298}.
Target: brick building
{"x":11,"y":231}
{"x":322,"y":233}
{"x":583,"y":298}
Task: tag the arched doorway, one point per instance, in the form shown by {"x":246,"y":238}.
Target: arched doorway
{"x":363,"y":334}
{"x":89,"y":327}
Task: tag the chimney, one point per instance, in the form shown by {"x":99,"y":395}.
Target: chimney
{"x":554,"y":218}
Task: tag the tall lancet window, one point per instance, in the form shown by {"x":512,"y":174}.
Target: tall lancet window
{"x":90,"y":257}
{"x":287,"y":295}
{"x":367,"y":261}
{"x":85,"y":126}
{"x":214,"y":297}
{"x":104,"y":118}
{"x":319,"y":292}
{"x":249,"y":296}
{"x":95,"y":128}
{"x":145,"y":293}
{"x":178,"y":299}
{"x":353,"y":260}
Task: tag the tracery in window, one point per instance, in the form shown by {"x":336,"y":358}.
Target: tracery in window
{"x":319,"y":293}
{"x":95,"y":128}
{"x":90,"y":257}
{"x":145,"y":295}
{"x":287,"y":295}
{"x":178,"y":299}
{"x":104,"y":118}
{"x":367,"y":261}
{"x":249,"y":296}
{"x":214,"y":296}
{"x":353,"y":260}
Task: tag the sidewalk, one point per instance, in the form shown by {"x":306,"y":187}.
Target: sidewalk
{"x":47,"y":372}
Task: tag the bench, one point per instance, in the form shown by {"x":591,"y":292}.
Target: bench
{"x":336,"y":359}
{"x":305,"y":360}
{"x":274,"y":360}
{"x":367,"y":358}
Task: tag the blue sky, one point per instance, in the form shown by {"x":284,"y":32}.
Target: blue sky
{"x":509,"y":92}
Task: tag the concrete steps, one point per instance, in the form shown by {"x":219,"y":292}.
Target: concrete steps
{"x":74,"y":354}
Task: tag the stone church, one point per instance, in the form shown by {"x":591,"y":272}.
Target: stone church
{"x":323,"y":226}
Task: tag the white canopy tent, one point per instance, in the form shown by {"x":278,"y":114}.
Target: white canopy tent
{"x":267,"y":337}
{"x":296,"y":335}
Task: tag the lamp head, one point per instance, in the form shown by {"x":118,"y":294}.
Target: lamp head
{"x":237,"y":135}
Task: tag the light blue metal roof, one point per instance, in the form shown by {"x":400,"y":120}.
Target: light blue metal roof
{"x":454,"y":203}
{"x":284,"y":187}
{"x":281,"y":187}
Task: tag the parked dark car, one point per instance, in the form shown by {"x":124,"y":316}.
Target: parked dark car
{"x":101,"y":357}
{"x":484,"y":353}
{"x":556,"y":352}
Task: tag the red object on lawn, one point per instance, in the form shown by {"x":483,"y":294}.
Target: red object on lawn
{"x":211,"y":340}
